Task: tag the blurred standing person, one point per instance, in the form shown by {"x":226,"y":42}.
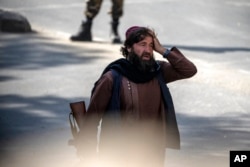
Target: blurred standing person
{"x":92,"y":9}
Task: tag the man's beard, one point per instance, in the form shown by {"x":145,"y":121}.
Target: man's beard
{"x":142,"y":65}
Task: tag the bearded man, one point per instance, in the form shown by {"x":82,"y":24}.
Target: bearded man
{"x":135,"y":106}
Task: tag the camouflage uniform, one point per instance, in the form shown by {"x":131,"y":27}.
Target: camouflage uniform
{"x":93,"y":8}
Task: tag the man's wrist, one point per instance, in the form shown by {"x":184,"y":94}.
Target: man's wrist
{"x":166,"y":53}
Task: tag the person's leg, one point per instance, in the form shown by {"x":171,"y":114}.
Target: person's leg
{"x":92,"y":9}
{"x":116,"y":12}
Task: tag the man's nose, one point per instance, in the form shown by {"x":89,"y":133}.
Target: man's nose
{"x":148,"y":49}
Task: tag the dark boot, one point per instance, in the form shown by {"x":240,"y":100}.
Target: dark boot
{"x":85,"y":32}
{"x":116,"y":37}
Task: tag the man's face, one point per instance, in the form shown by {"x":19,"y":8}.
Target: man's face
{"x":141,"y":54}
{"x":144,"y":48}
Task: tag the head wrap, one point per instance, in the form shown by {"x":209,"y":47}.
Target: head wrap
{"x":131,"y":30}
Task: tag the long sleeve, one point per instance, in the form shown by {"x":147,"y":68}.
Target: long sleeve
{"x":101,"y":95}
{"x":178,"y":66}
{"x":98,"y":104}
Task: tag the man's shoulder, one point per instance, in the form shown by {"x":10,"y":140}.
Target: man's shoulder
{"x":108,"y":75}
{"x":163,"y":64}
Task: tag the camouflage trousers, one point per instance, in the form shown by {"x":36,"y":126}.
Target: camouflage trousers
{"x":93,"y":8}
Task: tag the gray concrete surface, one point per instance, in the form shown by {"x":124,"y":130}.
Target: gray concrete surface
{"x":40,"y":75}
{"x":42,"y":72}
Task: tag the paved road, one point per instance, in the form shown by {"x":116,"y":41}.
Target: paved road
{"x":41,"y":73}
{"x":209,"y":24}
